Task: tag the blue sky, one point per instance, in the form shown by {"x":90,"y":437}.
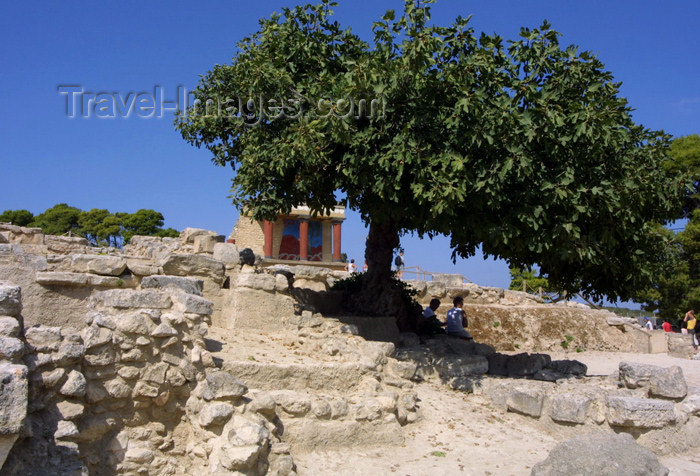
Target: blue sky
{"x":127,"y":164}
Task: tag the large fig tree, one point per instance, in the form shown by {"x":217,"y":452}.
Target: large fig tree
{"x":522,"y":148}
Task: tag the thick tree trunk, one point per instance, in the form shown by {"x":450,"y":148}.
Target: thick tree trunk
{"x":379,"y":296}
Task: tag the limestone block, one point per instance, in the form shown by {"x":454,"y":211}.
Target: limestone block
{"x":243,"y":432}
{"x":206,"y":243}
{"x":141,"y":267}
{"x":668,"y":383}
{"x":189,"y":234}
{"x":405,"y":370}
{"x":227,"y":253}
{"x":65,"y":430}
{"x":435,"y":289}
{"x":11,"y":348}
{"x":135,"y":323}
{"x":128,"y":372}
{"x":59,"y":278}
{"x":100,"y":356}
{"x":143,"y":389}
{"x":10,"y":299}
{"x":68,"y":410}
{"x":177,"y":283}
{"x":111,"y":281}
{"x":635,"y":375}
{"x":639,"y":412}
{"x":293,"y":403}
{"x":101,"y":320}
{"x":570,"y":408}
{"x":215,"y":414}
{"x":52,"y":378}
{"x":9,"y":326}
{"x":21,"y":234}
{"x":602,"y":454}
{"x":117,"y":388}
{"x":43,"y":338}
{"x":191,"y":304}
{"x":220,"y":385}
{"x":526,"y":400}
{"x":66,"y":244}
{"x":281,"y":283}
{"x":234,"y":458}
{"x":264,"y":282}
{"x":75,"y":385}
{"x":163,"y":330}
{"x":155,"y":373}
{"x":127,"y":298}
{"x":262,"y":402}
{"x":69,"y":353}
{"x":417,"y":284}
{"x":193,"y":265}
{"x":680,"y":345}
{"x":95,"y":336}
{"x":14,"y":390}
{"x":452,"y":280}
{"x":98,"y":264}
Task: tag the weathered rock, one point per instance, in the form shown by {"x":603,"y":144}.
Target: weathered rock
{"x":526,"y":400}
{"x":9,"y":326}
{"x":131,"y":299}
{"x":189,"y":303}
{"x":94,"y":336}
{"x":66,"y":430}
{"x":179,"y":283}
{"x":227,"y":253}
{"x":570,"y":408}
{"x":668,"y":383}
{"x":639,"y":412}
{"x":193,"y":265}
{"x":634,"y":375}
{"x":189,"y":234}
{"x":68,"y":410}
{"x":10,"y":299}
{"x":265,"y":282}
{"x":11,"y":348}
{"x":600,"y":454}
{"x":69,"y":352}
{"x":221,"y":386}
{"x":43,"y":338}
{"x":135,"y":323}
{"x":61,"y":278}
{"x":215,"y":413}
{"x":102,"y":265}
{"x":75,"y":385}
{"x":14,"y":388}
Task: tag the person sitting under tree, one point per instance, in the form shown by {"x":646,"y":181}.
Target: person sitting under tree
{"x":457,"y":320}
{"x":430,"y":324}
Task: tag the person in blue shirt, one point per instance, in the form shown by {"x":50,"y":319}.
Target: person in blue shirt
{"x":457,"y":320}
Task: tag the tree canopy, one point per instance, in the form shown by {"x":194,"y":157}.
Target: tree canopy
{"x":676,"y":288}
{"x":523,"y":149}
{"x":99,"y":226}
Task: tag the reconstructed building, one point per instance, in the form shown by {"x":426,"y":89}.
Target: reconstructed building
{"x":296,"y":236}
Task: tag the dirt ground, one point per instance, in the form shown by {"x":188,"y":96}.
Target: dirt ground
{"x":462,"y":434}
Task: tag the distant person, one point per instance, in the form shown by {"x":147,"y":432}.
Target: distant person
{"x":648,"y":324}
{"x":351,"y":267}
{"x":457,"y":319}
{"x":666,"y":326}
{"x":400,"y":264}
{"x":365,"y":267}
{"x":690,"y":322}
{"x":430,"y":324}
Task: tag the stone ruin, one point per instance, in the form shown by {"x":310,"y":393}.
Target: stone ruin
{"x":174,"y":357}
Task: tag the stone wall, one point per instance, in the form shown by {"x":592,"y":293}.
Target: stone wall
{"x":251,"y":233}
{"x":135,"y":388}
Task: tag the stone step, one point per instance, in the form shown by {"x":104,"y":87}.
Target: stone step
{"x":327,"y":376}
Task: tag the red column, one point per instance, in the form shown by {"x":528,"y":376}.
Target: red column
{"x":336,"y":240}
{"x":267,"y":230}
{"x":303,"y":239}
